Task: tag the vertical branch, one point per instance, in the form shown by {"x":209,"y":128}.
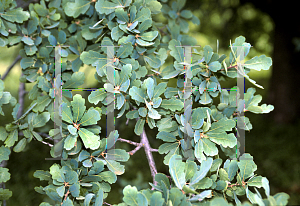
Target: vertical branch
{"x":148,"y":151}
{"x":11,"y":66}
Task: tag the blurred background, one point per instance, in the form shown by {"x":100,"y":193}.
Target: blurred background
{"x":272,"y":28}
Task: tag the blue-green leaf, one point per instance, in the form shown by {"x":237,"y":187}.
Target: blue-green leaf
{"x":156,"y":199}
{"x":115,"y":167}
{"x":154,"y":6}
{"x":41,"y":119}
{"x":4,"y":153}
{"x":281,"y":198}
{"x":99,"y":197}
{"x":97,"y":96}
{"x":88,"y":199}
{"x":208,"y":52}
{"x":176,"y":50}
{"x":205,"y":98}
{"x":199,"y":151}
{"x":145,"y":25}
{"x":201,"y":196}
{"x":204,"y":168}
{"x":42,"y":175}
{"x":149,"y":36}
{"x":90,"y":140}
{"x":5,"y":194}
{"x":83,"y":155}
{"x":209,"y":147}
{"x":74,"y":9}
{"x":66,"y":113}
{"x":16,"y":15}
{"x":265,"y":185}
{"x":232,"y":169}
{"x":139,"y":126}
{"x":26,"y":62}
{"x":61,"y":37}
{"x":214,"y":66}
{"x":3,"y":134}
{"x":176,"y":169}
{"x":137,"y":94}
{"x":153,"y":61}
{"x":246,"y":166}
{"x":143,"y":15}
{"x":125,"y":50}
{"x":105,"y":7}
{"x":52,"y":40}
{"x":149,"y":83}
{"x":76,"y":80}
{"x":20,"y":146}
{"x":27,"y":40}
{"x":144,"y":43}
{"x":172,"y":104}
{"x":30,"y":50}
{"x":91,"y":117}
{"x":166,"y":136}
{"x":186,"y":14}
{"x":78,"y":107}
{"x":3,"y":42}
{"x":116,"y":33}
{"x":130,"y":195}
{"x":118,"y":155}
{"x":259,"y":63}
{"x":70,"y":141}
{"x":121,"y":15}
{"x":152,"y":113}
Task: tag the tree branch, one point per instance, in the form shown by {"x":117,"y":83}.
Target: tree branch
{"x":148,"y":150}
{"x":146,"y":145}
{"x":11,"y":66}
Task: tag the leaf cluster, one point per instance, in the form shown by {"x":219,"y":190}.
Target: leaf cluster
{"x":137,"y":73}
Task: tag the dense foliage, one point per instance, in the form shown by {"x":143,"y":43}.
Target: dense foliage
{"x":149,"y":58}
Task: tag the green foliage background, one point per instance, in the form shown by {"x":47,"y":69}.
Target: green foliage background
{"x":22,"y":165}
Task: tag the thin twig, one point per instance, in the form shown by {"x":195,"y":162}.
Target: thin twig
{"x":45,"y":135}
{"x":138,"y":145}
{"x":50,"y":145}
{"x":161,"y":30}
{"x":135,"y":149}
{"x":11,"y":66}
{"x":128,"y":141}
{"x":41,"y":134}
